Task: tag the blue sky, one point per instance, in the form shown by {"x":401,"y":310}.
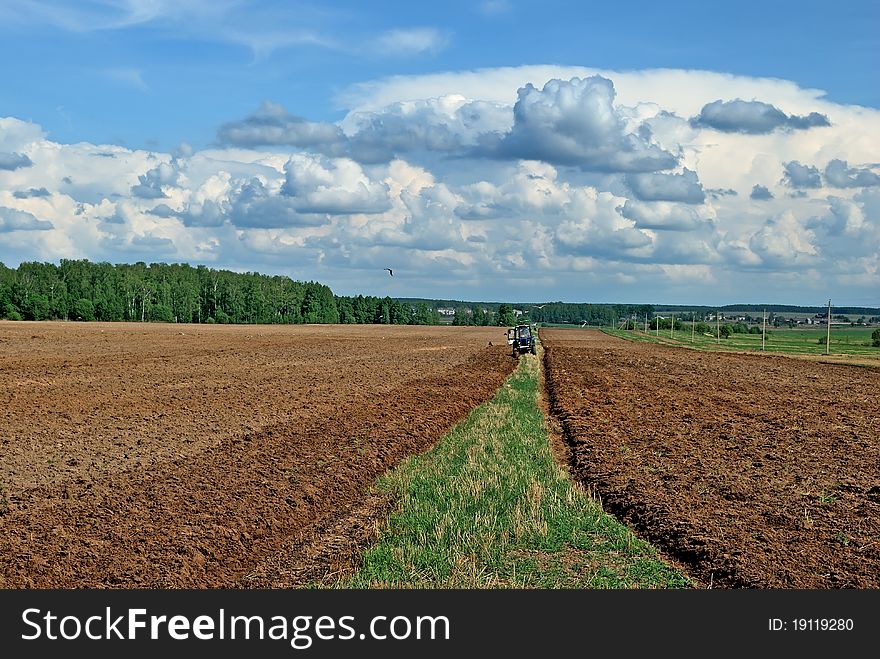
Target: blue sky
{"x":669,"y":152}
{"x":117,"y":72}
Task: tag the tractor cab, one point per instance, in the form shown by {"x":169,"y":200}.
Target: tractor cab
{"x":521,"y":340}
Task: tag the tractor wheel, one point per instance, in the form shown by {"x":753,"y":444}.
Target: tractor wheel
{"x":532,"y":350}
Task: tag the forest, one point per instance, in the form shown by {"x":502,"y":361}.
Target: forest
{"x":81,"y":290}
{"x":592,"y":314}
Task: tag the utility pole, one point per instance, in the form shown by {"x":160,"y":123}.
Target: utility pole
{"x":764,"y":329}
{"x":672,"y":326}
{"x":828,"y":335}
{"x":658,"y":326}
{"x":717,"y":327}
{"x":693,"y":325}
{"x":646,"y":323}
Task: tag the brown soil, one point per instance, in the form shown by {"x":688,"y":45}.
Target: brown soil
{"x":752,"y":471}
{"x":138,"y":455}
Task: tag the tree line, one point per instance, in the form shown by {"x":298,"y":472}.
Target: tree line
{"x":384,"y":311}
{"x":592,"y":314}
{"x":80,"y":290}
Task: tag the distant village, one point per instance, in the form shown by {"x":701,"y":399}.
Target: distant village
{"x":773,"y":319}
{"x":790,"y":320}
{"x":779,"y":319}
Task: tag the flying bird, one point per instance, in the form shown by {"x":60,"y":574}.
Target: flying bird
{"x":389,"y":271}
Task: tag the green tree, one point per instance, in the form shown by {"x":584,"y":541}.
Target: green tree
{"x":422,"y":314}
{"x":11,"y":312}
{"x":401,"y":314}
{"x":7,"y":279}
{"x":83,"y":309}
{"x":346,"y":311}
{"x":254,"y":301}
{"x":875,"y":338}
{"x":162,"y":313}
{"x":461,"y":317}
{"x":505,"y":315}
{"x":363,"y":309}
{"x":36,"y":307}
{"x":382,"y":312}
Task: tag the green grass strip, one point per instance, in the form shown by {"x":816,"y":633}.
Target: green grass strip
{"x":489,"y":507}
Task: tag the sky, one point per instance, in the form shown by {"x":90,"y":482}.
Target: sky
{"x":678,"y":153}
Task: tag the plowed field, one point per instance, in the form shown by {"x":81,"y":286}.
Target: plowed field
{"x":750,"y":470}
{"x":187,"y":456}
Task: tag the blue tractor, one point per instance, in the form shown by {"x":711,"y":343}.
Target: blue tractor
{"x":521,"y":340}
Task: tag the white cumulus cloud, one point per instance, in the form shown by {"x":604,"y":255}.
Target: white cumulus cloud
{"x":560,"y":177}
